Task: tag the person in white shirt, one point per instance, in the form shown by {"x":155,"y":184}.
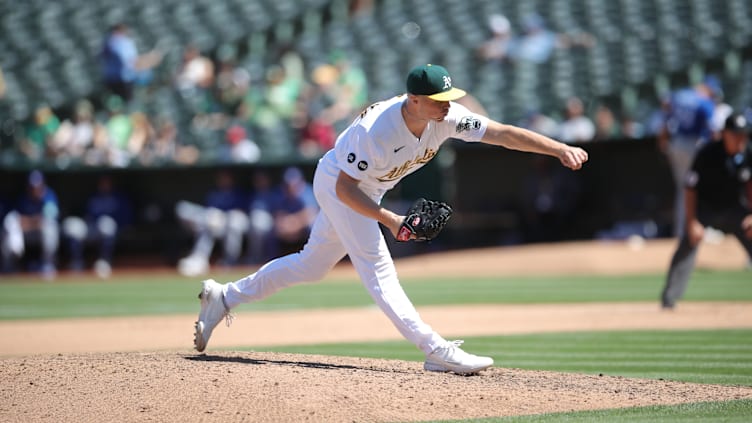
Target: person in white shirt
{"x":388,"y":141}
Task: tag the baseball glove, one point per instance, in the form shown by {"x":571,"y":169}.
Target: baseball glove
{"x":425,"y":219}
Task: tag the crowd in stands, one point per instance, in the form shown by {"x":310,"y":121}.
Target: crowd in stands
{"x":286,"y":110}
{"x":289,"y":109}
{"x":265,"y":221}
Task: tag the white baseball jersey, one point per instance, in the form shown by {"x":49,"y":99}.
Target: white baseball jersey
{"x":379,"y":150}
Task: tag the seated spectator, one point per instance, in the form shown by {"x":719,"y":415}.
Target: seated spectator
{"x":238,"y":147}
{"x":34,"y":220}
{"x":538,"y":122}
{"x":166,"y":147}
{"x":107,"y":212}
{"x":119,"y":128}
{"x":576,"y":127}
{"x":196,"y":72}
{"x":222,"y":216}
{"x":538,"y":43}
{"x":232,"y":82}
{"x":496,"y":48}
{"x":39,"y":133}
{"x":606,"y":124}
{"x":294,"y":210}
{"x":77,"y":135}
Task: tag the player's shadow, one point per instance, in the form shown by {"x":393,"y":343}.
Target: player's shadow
{"x":288,"y":363}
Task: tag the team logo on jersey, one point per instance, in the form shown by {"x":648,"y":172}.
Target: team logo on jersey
{"x":350,"y":157}
{"x":362,"y":165}
{"x":400,"y":171}
{"x":468,"y":123}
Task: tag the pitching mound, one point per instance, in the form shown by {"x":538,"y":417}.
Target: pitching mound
{"x":251,"y":386}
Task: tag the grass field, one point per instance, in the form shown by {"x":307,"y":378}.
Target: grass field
{"x":123,"y":296}
{"x":703,"y":356}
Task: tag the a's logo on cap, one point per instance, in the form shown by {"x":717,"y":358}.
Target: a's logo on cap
{"x":447,"y":82}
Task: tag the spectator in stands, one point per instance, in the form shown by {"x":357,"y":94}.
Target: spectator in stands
{"x":496,"y":48}
{"x":232,"y":81}
{"x":221,"y":217}
{"x":238,"y":146}
{"x":576,"y":127}
{"x":688,"y":125}
{"x":196,"y":72}
{"x":34,"y":220}
{"x":294,"y":210}
{"x":261,"y":239}
{"x":352,"y":82}
{"x":107,"y":212}
{"x":75,"y":136}
{"x":606,"y":124}
{"x":39,"y":133}
{"x":631,"y":128}
{"x":166,"y":146}
{"x":718,"y":194}
{"x":538,"y":122}
{"x":119,"y":128}
{"x":122,"y":66}
{"x":538,"y":43}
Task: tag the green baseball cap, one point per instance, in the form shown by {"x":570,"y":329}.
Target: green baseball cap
{"x":432,"y":81}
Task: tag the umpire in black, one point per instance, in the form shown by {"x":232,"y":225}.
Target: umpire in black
{"x":718,"y":193}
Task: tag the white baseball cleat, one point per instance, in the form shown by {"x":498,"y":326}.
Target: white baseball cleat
{"x":213,"y":310}
{"x":451,"y":358}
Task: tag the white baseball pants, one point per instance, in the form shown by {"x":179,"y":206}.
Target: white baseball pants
{"x":338,"y":230}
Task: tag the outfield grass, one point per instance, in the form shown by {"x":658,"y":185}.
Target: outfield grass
{"x":123,"y":296}
{"x":700,"y":412}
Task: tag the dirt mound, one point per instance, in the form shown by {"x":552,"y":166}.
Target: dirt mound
{"x":248,"y":386}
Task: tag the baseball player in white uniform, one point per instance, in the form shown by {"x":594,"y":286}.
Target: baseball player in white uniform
{"x":388,"y":141}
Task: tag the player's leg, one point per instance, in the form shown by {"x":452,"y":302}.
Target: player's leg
{"x":50,"y":235}
{"x":318,"y":256}
{"x":680,"y":153}
{"x":682,"y":265}
{"x":322,"y":251}
{"x":237,"y":226}
{"x":369,"y":253}
{"x":75,"y":231}
{"x":731,"y":223}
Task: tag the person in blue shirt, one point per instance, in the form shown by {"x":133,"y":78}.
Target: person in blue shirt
{"x":122,"y":66}
{"x":107,"y":212}
{"x":688,"y":125}
{"x":221,"y":217}
{"x":294,"y":210}
{"x":34,"y":219}
{"x":261,"y":240}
